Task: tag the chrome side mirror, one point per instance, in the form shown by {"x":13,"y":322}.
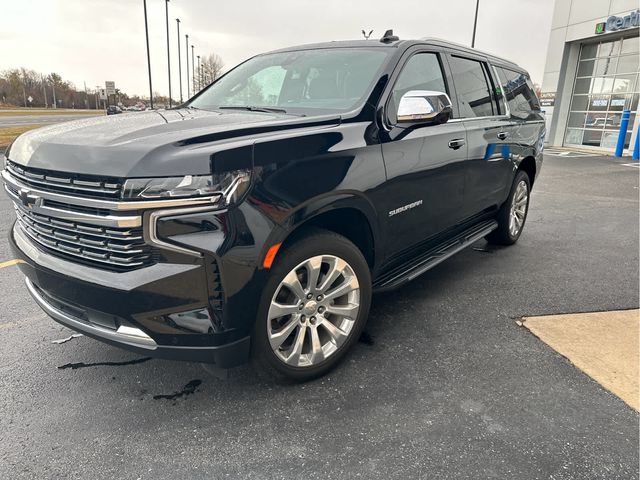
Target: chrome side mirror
{"x":424,"y":106}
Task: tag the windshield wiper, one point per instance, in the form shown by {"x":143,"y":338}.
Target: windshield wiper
{"x":252,"y":108}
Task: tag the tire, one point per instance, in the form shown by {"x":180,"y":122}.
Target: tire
{"x":510,"y":222}
{"x":331,"y":324}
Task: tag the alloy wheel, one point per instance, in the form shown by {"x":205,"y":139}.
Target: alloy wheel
{"x":313,"y":311}
{"x":518,"y":210}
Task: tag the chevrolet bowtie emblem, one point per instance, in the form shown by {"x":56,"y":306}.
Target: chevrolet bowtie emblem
{"x":28,"y":199}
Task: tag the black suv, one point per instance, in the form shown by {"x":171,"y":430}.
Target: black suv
{"x":259,"y":217}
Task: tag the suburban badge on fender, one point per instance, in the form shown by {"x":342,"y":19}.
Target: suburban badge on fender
{"x":398,"y":210}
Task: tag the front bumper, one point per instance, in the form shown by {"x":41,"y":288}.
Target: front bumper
{"x":127,"y":309}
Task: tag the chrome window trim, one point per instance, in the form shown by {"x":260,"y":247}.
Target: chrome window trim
{"x":486,"y":117}
{"x":110,"y":204}
{"x":153,"y":228}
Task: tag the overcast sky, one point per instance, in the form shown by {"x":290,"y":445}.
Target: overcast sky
{"x":98,"y":40}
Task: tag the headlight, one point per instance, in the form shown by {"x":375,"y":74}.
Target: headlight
{"x":229,"y":185}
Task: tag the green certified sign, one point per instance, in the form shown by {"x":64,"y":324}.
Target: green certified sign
{"x":615,"y":23}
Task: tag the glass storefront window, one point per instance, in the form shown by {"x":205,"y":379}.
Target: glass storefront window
{"x":583,"y":85}
{"x":589,"y":51}
{"x":580,"y":103}
{"x":608,"y":49}
{"x":623,"y":83}
{"x":577,"y":119}
{"x":592,"y":137}
{"x":630,"y":45}
{"x":606,"y":66}
{"x":585,"y":68}
{"x":599,"y":103}
{"x":602,"y":85}
{"x":607,"y":82}
{"x":619,"y":102}
{"x":628,"y":64}
{"x":574,"y":136}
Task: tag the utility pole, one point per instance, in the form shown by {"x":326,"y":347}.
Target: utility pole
{"x":193,"y":70}
{"x":97,"y":95}
{"x":186,"y":46}
{"x":53,"y":87}
{"x":475,"y":24}
{"x":199,"y":75}
{"x":146,"y":31}
{"x":44,"y":91}
{"x":179,"y":64}
{"x":166,"y":4}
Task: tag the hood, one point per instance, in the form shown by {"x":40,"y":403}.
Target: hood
{"x":148,"y":144}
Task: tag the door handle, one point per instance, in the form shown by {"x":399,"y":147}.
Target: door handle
{"x":456,"y":143}
{"x":503,"y":135}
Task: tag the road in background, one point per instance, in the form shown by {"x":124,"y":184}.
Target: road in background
{"x":15,"y":121}
{"x":445,"y":384}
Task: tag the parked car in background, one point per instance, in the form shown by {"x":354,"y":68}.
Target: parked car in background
{"x":113,"y":110}
{"x":260,"y":217}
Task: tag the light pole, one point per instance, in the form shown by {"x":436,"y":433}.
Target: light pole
{"x":475,"y":23}
{"x":199,"y":75}
{"x":166,"y":5}
{"x":146,"y":31}
{"x":186,"y":46}
{"x":179,"y":64}
{"x":193,"y":70}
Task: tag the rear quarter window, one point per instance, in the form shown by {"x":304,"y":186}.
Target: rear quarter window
{"x":518,"y":90}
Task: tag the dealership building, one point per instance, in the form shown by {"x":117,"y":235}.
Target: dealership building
{"x":592,"y":74}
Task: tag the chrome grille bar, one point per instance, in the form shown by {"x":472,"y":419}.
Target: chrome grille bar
{"x":42,"y":179}
{"x":94,"y":226}
{"x":15,"y":184}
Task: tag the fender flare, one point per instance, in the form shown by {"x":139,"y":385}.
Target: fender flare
{"x":322,"y":204}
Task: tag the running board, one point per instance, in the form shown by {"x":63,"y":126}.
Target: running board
{"x":426,"y":261}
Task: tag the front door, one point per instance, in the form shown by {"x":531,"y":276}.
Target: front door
{"x":424,"y":164}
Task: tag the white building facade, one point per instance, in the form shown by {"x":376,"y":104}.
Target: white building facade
{"x":592,"y":74}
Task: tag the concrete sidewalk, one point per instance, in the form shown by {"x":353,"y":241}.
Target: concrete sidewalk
{"x":604,"y":345}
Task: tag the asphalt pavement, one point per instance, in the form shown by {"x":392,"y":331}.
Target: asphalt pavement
{"x":444,"y":385}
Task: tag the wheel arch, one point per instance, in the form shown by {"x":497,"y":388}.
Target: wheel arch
{"x":348,"y":214}
{"x":528,"y":165}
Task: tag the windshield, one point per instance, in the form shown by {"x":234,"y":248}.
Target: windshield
{"x":308,"y":82}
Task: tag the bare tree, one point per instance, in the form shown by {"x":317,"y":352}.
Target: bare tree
{"x":210,"y":69}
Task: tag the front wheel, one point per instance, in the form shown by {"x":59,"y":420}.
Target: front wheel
{"x":513,"y":213}
{"x":314,"y":306}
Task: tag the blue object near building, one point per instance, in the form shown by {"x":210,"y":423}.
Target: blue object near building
{"x":624,"y":124}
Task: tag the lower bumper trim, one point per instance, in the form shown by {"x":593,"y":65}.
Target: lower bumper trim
{"x":127,"y":335}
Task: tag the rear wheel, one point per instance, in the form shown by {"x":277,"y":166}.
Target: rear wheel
{"x":314,"y":306}
{"x":513,"y":213}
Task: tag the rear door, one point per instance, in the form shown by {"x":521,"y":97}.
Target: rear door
{"x":424,"y":164}
{"x":489,"y":134}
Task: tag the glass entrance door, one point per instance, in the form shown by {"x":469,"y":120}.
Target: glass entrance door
{"x":607,"y":82}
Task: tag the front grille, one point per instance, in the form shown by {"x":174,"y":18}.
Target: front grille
{"x":68,"y":183}
{"x":120,"y":248}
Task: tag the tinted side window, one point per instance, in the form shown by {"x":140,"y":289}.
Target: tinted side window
{"x":421,"y":72}
{"x":518,"y":90}
{"x":472,"y":87}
